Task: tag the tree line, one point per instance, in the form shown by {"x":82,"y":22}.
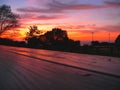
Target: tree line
{"x":56,"y":39}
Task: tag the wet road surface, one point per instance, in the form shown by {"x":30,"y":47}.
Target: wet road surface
{"x":31,"y":69}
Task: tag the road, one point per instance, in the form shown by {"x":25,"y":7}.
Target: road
{"x":33,"y":69}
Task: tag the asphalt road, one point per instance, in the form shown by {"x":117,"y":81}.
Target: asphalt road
{"x":32,"y":69}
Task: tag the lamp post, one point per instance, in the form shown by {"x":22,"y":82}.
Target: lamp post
{"x":109,"y":37}
{"x":109,"y":45}
{"x":92,"y":36}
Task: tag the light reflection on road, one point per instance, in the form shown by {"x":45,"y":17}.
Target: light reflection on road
{"x":20,"y":71}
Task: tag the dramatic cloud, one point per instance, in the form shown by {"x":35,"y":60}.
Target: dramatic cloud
{"x":112,"y":28}
{"x":78,"y":17}
{"x":70,"y":6}
{"x":38,"y":10}
{"x":59,"y":7}
{"x":112,"y":3}
{"x":41,"y":17}
{"x":70,"y":26}
{"x":108,"y":28}
{"x":92,"y":28}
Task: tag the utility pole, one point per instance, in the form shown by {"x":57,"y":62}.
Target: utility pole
{"x":109,"y":46}
{"x":92,"y":36}
{"x":109,"y":37}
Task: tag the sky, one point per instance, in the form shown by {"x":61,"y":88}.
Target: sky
{"x":78,"y":17}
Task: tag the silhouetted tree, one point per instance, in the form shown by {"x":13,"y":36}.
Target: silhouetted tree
{"x":56,"y":34}
{"x":32,"y":37}
{"x":49,"y":36}
{"x":58,"y":39}
{"x":33,"y":32}
{"x":7,"y":18}
{"x":59,"y":34}
{"x":33,"y":42}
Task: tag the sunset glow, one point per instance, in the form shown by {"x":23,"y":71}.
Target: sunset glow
{"x":79,"y":17}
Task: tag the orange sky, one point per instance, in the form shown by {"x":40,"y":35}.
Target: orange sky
{"x":83,"y":34}
{"x":79,"y":17}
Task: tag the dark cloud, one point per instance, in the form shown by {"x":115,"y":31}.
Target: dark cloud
{"x":114,"y":3}
{"x":41,"y":17}
{"x":44,"y":17}
{"x":66,"y":26}
{"x":84,"y":31}
{"x":107,"y":28}
{"x":38,"y":10}
{"x":113,"y":28}
{"x":70,"y":6}
{"x":54,"y":7}
{"x":58,"y":7}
